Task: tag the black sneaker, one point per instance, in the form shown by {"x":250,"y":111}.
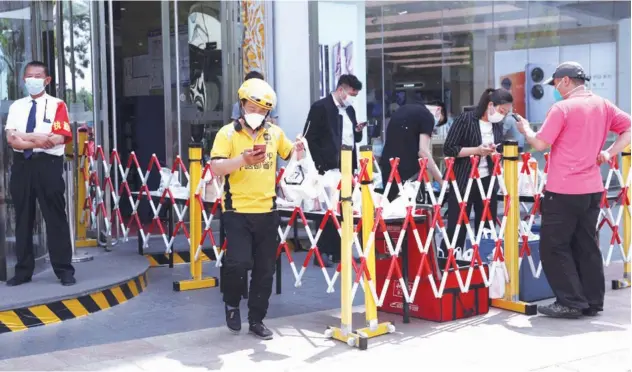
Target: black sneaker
{"x":233,"y":319}
{"x":260,"y":331}
{"x":15,"y":281}
{"x":556,"y":310}
{"x":68,"y":280}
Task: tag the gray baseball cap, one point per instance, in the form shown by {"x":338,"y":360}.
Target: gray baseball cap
{"x":571,"y":69}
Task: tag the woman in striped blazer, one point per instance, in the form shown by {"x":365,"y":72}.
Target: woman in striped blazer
{"x":475,"y":133}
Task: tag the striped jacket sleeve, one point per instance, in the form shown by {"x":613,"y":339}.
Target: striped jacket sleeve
{"x":454,"y":140}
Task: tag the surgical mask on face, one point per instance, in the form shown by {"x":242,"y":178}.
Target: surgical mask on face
{"x":254,"y":121}
{"x":34,"y":86}
{"x":348,"y":100}
{"x":495,"y":117}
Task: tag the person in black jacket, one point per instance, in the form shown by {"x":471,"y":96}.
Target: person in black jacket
{"x":331,"y":123}
{"x":475,"y":133}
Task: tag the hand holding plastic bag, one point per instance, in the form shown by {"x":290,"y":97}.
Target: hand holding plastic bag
{"x":301,"y":181}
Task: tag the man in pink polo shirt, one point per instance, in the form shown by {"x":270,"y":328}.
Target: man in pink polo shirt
{"x":575,"y":128}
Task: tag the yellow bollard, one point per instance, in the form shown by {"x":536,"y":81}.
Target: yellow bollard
{"x":81,"y":223}
{"x":511,"y":300}
{"x":195,"y":221}
{"x":344,"y":333}
{"x":627,"y":224}
{"x":374,"y":328}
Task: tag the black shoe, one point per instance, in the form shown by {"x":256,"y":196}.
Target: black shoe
{"x":233,"y":319}
{"x":591,"y":311}
{"x":68,"y":280}
{"x":260,"y":331}
{"x":17,"y":281}
{"x":326,"y":260}
{"x":556,"y":310}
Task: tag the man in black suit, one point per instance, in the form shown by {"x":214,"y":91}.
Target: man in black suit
{"x":331,"y":123}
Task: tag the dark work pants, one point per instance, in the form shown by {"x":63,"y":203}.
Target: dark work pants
{"x":40,"y":179}
{"x":329,"y":241}
{"x":252,"y":240}
{"x":474,"y":200}
{"x":569,"y":249}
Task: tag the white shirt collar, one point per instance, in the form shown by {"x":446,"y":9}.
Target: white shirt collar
{"x":39,"y":99}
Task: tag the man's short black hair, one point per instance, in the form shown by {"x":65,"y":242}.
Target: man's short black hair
{"x":37,"y":64}
{"x":254,"y":75}
{"x":349,"y":80}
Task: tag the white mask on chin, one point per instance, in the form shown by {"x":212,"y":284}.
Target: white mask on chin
{"x":254,"y":121}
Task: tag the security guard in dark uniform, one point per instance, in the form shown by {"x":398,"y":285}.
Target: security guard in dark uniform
{"x":37,"y":136}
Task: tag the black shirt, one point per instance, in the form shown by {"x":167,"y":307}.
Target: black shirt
{"x":402,"y":139}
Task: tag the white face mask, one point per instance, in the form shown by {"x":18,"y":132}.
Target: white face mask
{"x":34,"y":86}
{"x":496,"y":117}
{"x":254,"y":121}
{"x":348,"y":101}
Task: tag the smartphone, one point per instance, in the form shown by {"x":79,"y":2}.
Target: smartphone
{"x":259,"y":148}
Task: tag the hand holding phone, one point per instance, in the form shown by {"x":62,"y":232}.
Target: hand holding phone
{"x":259,"y":148}
{"x":360,"y":126}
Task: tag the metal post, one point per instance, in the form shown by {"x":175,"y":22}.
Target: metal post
{"x":113,"y":103}
{"x":511,"y":300}
{"x":627,"y":222}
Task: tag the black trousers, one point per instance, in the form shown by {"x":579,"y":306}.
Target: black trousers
{"x":569,"y":249}
{"x":475,"y":201}
{"x":329,"y":241}
{"x":40,"y":179}
{"x":252,"y":240}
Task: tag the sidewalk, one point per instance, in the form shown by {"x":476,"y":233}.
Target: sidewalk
{"x":499,"y":341}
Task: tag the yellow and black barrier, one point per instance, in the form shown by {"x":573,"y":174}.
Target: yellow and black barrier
{"x":34,"y":316}
{"x":626,"y":281}
{"x":345,"y":333}
{"x":197,"y":281}
{"x":179,"y":258}
{"x":511,"y":300}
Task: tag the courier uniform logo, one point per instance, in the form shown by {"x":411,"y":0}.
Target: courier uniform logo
{"x":252,"y":188}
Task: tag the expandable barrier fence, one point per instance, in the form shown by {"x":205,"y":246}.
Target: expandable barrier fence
{"x":510,"y":234}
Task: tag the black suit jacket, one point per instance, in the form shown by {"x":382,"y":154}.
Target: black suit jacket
{"x":466,"y":132}
{"x":323,"y":132}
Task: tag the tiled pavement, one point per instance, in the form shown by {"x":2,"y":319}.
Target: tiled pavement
{"x":165,"y":330}
{"x":499,"y":341}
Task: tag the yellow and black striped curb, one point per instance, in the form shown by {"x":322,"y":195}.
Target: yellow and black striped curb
{"x":162,"y":259}
{"x":55,"y":312}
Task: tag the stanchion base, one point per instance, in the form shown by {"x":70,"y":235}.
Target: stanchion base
{"x":193,"y":284}
{"x":382,"y":329}
{"x":82,"y":258}
{"x":351,"y":339}
{"x":86,"y":243}
{"x":621,"y":283}
{"x":517,"y":307}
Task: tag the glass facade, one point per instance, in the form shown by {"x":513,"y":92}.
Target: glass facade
{"x":452,"y":50}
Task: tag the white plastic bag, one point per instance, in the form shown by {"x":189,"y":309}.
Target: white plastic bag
{"x":497,"y":286}
{"x":213,"y":188}
{"x":528,"y":183}
{"x":301,"y":180}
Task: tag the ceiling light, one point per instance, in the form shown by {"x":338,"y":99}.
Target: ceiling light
{"x":406,"y":44}
{"x":428,"y":51}
{"x":444,"y":14}
{"x":467,"y":27}
{"x":430,"y":59}
{"x":429,"y":65}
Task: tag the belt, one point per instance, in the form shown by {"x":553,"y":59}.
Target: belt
{"x":35,"y":155}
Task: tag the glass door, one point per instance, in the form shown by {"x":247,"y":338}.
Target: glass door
{"x":19,"y":41}
{"x":202,"y":70}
